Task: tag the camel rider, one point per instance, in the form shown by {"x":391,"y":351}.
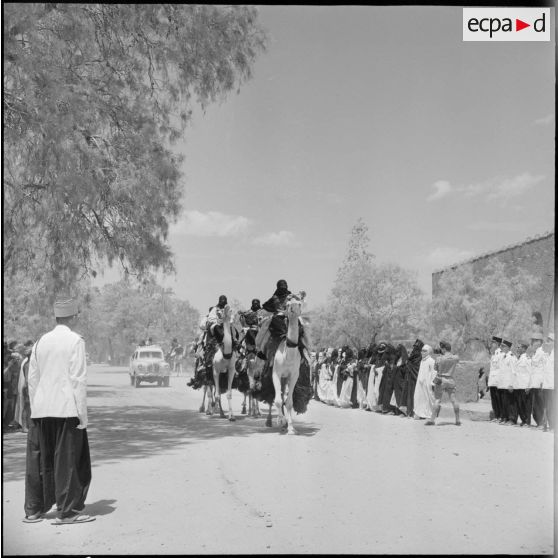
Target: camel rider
{"x":214,"y":328}
{"x":273,"y":328}
{"x":251,"y":321}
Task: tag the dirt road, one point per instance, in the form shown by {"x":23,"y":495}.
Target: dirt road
{"x":169,"y":480}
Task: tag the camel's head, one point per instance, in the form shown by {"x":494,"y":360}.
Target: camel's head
{"x":294,"y":306}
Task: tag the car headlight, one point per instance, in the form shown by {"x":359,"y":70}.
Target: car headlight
{"x":140,"y":367}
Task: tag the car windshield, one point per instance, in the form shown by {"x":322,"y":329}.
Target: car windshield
{"x":150,"y":354}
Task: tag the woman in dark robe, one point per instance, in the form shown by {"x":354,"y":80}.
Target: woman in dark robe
{"x":387,"y":379}
{"x":413,"y":365}
{"x":399,"y":378}
{"x":382,"y":361}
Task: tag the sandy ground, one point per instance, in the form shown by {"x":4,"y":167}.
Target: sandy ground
{"x":169,"y":480}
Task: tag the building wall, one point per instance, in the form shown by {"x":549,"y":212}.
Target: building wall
{"x":536,"y":256}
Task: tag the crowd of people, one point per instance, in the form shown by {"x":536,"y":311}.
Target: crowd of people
{"x":387,"y":379}
{"x":521,"y":382}
{"x":392,"y":380}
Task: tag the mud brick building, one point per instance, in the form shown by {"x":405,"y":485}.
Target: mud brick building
{"x":535,"y":255}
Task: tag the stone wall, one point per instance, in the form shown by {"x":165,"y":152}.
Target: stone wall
{"x":466,"y":379}
{"x":536,"y":256}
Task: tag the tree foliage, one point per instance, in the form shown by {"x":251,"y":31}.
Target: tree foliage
{"x":113,"y":319}
{"x":471,"y":306}
{"x":369,"y":300}
{"x":94,"y":97}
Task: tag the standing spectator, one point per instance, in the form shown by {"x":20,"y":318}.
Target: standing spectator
{"x":481,"y":383}
{"x":10,"y":377}
{"x":494,"y":378}
{"x":548,"y":387}
{"x":413,"y":365}
{"x":444,"y":382}
{"x":23,"y":408}
{"x":58,"y":465}
{"x":506,"y":383}
{"x":538,"y":362}
{"x":424,"y":395}
{"x":399,"y":378}
{"x":521,"y":383}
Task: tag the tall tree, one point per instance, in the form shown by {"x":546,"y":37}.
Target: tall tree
{"x":94,"y":97}
{"x":471,"y":307}
{"x":369,"y":300}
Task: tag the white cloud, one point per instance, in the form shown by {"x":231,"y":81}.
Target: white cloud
{"x":281,"y":238}
{"x":511,"y":187}
{"x":445,"y":255}
{"x":442,"y":188}
{"x":545,"y":120}
{"x":507,"y":226}
{"x":211,"y":223}
{"x":499,"y":188}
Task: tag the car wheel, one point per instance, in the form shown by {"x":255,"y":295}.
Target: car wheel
{"x":137,"y":382}
{"x":132,"y":380}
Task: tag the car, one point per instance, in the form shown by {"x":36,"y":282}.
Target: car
{"x":148,"y":364}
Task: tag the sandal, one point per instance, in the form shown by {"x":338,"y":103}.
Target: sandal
{"x":35,"y":518}
{"x":73,"y":519}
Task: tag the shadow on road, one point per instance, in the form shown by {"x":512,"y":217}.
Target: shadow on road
{"x":134,"y":432}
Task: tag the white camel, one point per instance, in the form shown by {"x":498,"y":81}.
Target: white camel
{"x":224,"y":363}
{"x":286,"y":365}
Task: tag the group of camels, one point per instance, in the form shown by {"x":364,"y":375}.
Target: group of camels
{"x":285,"y":371}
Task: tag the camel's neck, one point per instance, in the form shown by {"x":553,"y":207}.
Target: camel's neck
{"x":227,"y":337}
{"x":292,"y":330}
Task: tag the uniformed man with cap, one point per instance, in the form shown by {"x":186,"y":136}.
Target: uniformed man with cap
{"x":538,"y":363}
{"x":521,"y":386}
{"x":505,"y":382}
{"x":58,"y":464}
{"x":493,"y":378}
{"x":548,"y":386}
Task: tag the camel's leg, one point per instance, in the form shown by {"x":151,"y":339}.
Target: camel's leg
{"x":289,"y":403}
{"x":256,"y":407}
{"x":229,"y":388}
{"x":210,"y":400}
{"x":268,"y":419}
{"x":202,"y":407}
{"x":278,"y":399}
{"x":218,"y":392}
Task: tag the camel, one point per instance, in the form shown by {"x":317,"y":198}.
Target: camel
{"x":254,"y":367}
{"x":286,"y":365}
{"x":224,"y":363}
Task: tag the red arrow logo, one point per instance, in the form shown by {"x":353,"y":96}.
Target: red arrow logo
{"x":519,"y":25}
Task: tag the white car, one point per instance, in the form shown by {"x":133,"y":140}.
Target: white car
{"x":148,"y":364}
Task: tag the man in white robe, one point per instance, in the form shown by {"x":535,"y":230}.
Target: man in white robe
{"x":423,"y":403}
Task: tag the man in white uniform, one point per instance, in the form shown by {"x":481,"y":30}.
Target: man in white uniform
{"x":493,"y":377}
{"x":506,"y":383}
{"x":538,"y":362}
{"x":548,"y":387}
{"x":521,"y":382}
{"x":58,"y":464}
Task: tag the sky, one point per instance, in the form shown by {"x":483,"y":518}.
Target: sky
{"x":444,"y":148}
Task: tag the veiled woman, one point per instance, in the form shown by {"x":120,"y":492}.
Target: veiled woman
{"x":324,"y":381}
{"x":424,"y":394}
{"x":411,"y":373}
{"x":399,"y":378}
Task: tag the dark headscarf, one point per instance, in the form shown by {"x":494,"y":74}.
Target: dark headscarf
{"x":282,"y":290}
{"x":222,"y":301}
{"x":255,"y":305}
